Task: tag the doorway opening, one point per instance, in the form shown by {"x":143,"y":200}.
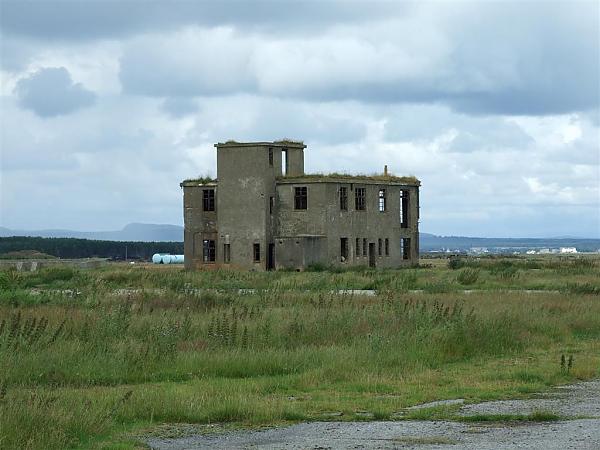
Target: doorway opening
{"x":372,"y":260}
{"x":271,"y":257}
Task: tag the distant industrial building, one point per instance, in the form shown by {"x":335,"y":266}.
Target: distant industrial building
{"x":264,"y":213}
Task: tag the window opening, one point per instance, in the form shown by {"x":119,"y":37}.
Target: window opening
{"x":359,"y":199}
{"x":404,"y":202}
{"x":270,"y":157}
{"x":380,"y":247}
{"x":405,"y":248}
{"x":364,"y":249}
{"x":344,"y":198}
{"x":226,"y":253}
{"x":256,"y":248}
{"x":382,"y":200}
{"x":300,"y":198}
{"x":344,"y":249}
{"x":271,"y":203}
{"x":387,"y":247}
{"x":357,"y":247}
{"x":208,"y":200}
{"x":284,"y":161}
{"x":208,"y":251}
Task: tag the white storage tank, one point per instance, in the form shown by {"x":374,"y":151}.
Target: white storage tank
{"x":166,"y":258}
{"x":176,"y":259}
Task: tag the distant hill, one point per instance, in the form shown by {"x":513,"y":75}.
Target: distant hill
{"x":145,"y":232}
{"x":138,"y":232}
{"x":431,"y":242}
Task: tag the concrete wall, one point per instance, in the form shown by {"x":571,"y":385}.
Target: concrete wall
{"x":247,"y":182}
{"x":299,"y":252}
{"x":324,"y":217}
{"x":295,"y":161}
{"x":198,"y":224}
{"x":245,"y":214}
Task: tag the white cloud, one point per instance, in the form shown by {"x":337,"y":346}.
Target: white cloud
{"x":492,"y":107}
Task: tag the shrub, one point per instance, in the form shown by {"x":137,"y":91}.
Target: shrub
{"x":455,"y":263}
{"x":468,"y":276}
{"x":57,"y":273}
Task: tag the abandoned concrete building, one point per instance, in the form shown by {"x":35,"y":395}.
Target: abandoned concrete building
{"x":264,"y":213}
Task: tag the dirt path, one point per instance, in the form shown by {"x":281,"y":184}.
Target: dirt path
{"x":579,"y":404}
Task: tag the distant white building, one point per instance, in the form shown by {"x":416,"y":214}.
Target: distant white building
{"x":478,"y":250}
{"x":568,"y":250}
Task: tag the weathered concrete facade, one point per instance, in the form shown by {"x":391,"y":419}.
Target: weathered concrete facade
{"x":265,"y":213}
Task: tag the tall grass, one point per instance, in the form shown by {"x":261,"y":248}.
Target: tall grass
{"x":188,"y":347}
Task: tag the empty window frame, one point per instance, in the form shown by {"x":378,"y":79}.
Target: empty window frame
{"x":357,"y":247}
{"x":343,"y":249}
{"x":360,"y":203}
{"x":387,"y":247}
{"x":344,"y":198}
{"x":404,"y":207}
{"x":209,"y":253}
{"x":382,"y":200}
{"x":380,"y":247}
{"x":256,"y":252}
{"x":271,"y":157}
{"x":226,"y":253}
{"x":271,"y":204}
{"x":208,"y":200}
{"x":405,"y":248}
{"x":300,"y":198}
{"x":364,"y":248}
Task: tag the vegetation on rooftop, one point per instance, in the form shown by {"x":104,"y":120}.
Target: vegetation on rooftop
{"x":206,"y":179}
{"x":290,"y":141}
{"x":372,"y":177}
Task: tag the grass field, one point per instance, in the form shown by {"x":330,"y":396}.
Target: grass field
{"x":91,"y":358}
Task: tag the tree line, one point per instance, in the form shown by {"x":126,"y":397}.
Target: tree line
{"x":88,"y":248}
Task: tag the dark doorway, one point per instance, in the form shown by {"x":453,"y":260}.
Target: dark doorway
{"x":371,"y":254}
{"x":271,"y":257}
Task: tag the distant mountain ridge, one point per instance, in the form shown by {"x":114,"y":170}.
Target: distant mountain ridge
{"x":144,"y":232}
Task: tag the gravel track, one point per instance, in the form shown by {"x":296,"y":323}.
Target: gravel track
{"x":579,"y":403}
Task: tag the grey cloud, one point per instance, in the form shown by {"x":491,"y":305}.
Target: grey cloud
{"x":202,"y":62}
{"x":259,"y":119}
{"x":94,"y":19}
{"x":15,"y":53}
{"x":51,"y":92}
{"x":547,"y":63}
{"x":473,"y":133}
{"x":178,"y":107}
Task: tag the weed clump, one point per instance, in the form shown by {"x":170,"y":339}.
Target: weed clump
{"x":468,"y":276}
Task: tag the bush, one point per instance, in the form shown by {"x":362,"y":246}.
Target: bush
{"x":455,"y":263}
{"x":468,"y":276}
{"x":57,"y":273}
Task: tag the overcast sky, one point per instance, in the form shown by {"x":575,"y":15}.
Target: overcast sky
{"x":107,"y":106}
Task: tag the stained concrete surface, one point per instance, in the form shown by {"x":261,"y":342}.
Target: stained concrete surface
{"x":580,"y":403}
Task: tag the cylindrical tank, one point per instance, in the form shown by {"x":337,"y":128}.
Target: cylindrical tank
{"x":157,"y":258}
{"x":166,"y":258}
{"x":176,"y":259}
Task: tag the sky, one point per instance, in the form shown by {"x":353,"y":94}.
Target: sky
{"x":105,"y":106}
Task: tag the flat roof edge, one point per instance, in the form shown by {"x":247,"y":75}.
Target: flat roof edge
{"x":261,"y":144}
{"x":192,"y":183}
{"x":353,"y":180}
